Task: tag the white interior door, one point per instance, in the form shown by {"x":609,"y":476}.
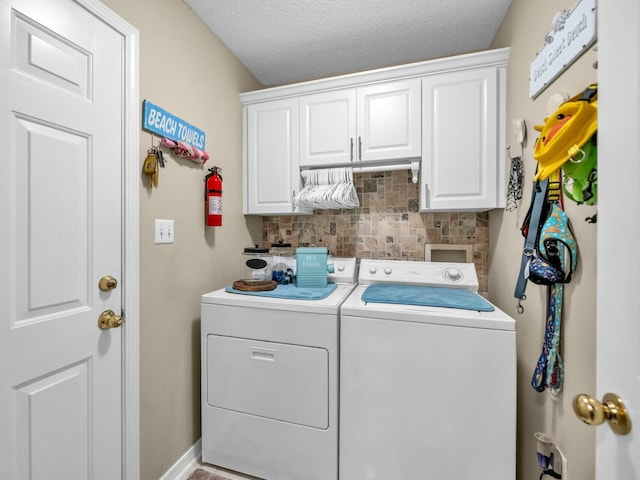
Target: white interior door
{"x":61,"y":124}
{"x":618,"y":283}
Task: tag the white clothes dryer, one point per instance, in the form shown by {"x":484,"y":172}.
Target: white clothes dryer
{"x":425,"y":391}
{"x":270,"y":381}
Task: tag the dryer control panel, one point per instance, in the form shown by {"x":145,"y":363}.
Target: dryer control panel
{"x":344,"y":270}
{"x":432,"y":274}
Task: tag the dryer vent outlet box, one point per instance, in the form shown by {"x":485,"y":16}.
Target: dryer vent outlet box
{"x":446,"y":252}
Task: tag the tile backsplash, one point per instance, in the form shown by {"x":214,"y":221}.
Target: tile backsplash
{"x":386,"y":225}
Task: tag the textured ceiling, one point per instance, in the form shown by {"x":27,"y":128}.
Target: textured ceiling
{"x":287,"y":41}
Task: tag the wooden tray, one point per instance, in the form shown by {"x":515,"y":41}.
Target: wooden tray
{"x":252,"y":287}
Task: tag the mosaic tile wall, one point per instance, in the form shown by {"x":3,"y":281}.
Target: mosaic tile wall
{"x":386,"y":225}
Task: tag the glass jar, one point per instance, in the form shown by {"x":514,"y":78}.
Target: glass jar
{"x":256,"y":266}
{"x":284,"y":263}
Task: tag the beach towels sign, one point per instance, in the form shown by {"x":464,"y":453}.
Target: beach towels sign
{"x":167,"y":125}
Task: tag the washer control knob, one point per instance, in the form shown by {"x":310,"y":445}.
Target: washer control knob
{"x":372,"y":270}
{"x":387,"y":270}
{"x":340,"y":268}
{"x":453,"y":274}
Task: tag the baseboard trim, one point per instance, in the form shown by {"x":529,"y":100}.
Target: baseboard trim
{"x":185,"y":463}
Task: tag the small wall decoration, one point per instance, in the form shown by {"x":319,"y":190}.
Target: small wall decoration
{"x":573,"y":33}
{"x":167,"y":125}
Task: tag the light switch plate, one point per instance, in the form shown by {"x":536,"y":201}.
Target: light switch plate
{"x":164,"y":231}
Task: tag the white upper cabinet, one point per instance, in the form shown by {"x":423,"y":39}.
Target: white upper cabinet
{"x":447,"y":114}
{"x":389,"y":121}
{"x":463,"y":140}
{"x":327,"y":127}
{"x":271,"y":150}
{"x":372,"y":123}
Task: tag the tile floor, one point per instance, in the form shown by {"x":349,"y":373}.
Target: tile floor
{"x":227,"y":474}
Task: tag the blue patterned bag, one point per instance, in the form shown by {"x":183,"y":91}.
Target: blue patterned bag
{"x":547,"y":266}
{"x":542,"y":272}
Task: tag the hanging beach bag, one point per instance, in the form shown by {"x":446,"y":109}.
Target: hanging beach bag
{"x":546,"y":266}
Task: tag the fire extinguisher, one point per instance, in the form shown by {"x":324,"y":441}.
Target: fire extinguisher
{"x":213,"y":197}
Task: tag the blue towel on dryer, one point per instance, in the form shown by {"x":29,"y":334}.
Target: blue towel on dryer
{"x":291,"y":292}
{"x":426,"y":297}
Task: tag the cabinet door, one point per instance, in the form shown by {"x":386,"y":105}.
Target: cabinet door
{"x":272,"y":175}
{"x":460,"y":161}
{"x":327,"y":128}
{"x":389,"y":121}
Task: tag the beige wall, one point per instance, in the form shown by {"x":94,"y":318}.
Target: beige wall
{"x":189,"y":72}
{"x":523,"y":29}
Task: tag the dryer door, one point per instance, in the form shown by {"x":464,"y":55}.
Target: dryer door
{"x":280,"y":381}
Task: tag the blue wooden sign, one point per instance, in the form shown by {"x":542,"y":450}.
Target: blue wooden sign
{"x":165,"y":124}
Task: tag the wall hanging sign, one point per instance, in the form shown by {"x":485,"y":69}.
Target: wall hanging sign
{"x":165,"y":124}
{"x":573,"y":33}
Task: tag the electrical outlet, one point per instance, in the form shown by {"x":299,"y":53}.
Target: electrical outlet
{"x":561,"y":464}
{"x":164,"y":231}
{"x":550,"y":458}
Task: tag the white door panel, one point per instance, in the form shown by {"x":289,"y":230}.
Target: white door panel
{"x":618,"y":283}
{"x":55,"y":60}
{"x":48,"y":153}
{"x":61,"y":209}
{"x":57,"y":444}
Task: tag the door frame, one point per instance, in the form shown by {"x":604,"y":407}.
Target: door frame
{"x":130,"y":236}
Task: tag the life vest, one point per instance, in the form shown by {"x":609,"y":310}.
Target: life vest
{"x":566,"y":131}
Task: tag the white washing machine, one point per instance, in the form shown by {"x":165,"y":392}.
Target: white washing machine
{"x":270,"y":381}
{"x":425,"y":391}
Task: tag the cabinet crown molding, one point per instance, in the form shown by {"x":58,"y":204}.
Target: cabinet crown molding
{"x":495,"y":57}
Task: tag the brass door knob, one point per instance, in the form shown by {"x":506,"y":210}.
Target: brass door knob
{"x":108,"y":319}
{"x":107,"y":283}
{"x":612,"y":409}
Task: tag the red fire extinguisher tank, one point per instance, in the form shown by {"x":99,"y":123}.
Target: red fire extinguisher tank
{"x":213,"y":197}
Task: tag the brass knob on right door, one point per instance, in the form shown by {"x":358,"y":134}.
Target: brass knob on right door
{"x":108,"y":319}
{"x":612,"y":409}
